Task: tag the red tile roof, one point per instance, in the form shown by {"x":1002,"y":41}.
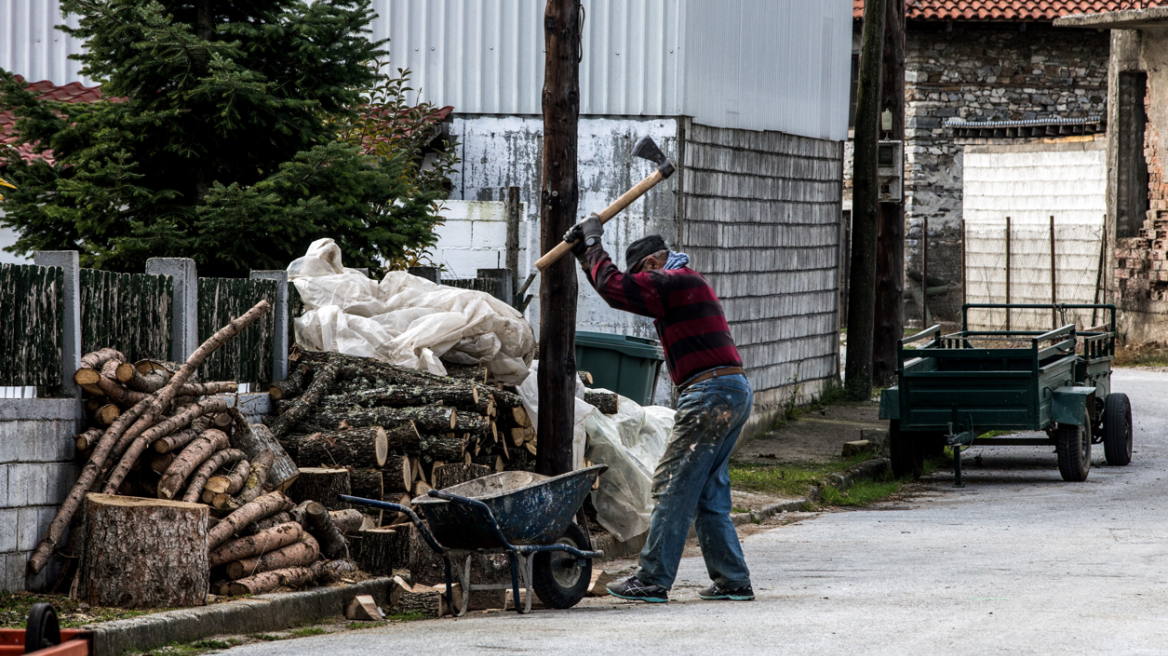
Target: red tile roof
{"x":73,"y":92}
{"x":1005,"y":10}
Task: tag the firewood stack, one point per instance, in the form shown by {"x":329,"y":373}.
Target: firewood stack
{"x":389,"y":428}
{"x":168,"y":453}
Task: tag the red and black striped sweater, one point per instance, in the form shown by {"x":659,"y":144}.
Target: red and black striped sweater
{"x":686,"y":312}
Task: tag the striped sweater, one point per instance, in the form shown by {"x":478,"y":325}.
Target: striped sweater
{"x":686,"y":312}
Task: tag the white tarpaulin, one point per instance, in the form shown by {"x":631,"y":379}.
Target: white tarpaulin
{"x":406,"y":320}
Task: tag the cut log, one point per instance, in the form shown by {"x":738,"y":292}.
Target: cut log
{"x":290,"y":386}
{"x":359,"y":447}
{"x":396,"y":475}
{"x":432,"y":418}
{"x":347,"y":521}
{"x":322,"y":378}
{"x":145,"y":553}
{"x":292,"y":577}
{"x":269,"y":522}
{"x":198,"y":481}
{"x":263,"y":506}
{"x":462,"y":397}
{"x":189,"y":459}
{"x":231,"y":482}
{"x":457,"y":473}
{"x":585,"y":377}
{"x":442,"y":446}
{"x":320,"y":524}
{"x":378,"y":551}
{"x":263,"y":542}
{"x":148,"y":435}
{"x":178,"y":439}
{"x":520,"y":416}
{"x":323,"y":485}
{"x":221,"y":420}
{"x":252,"y":488}
{"x":96,"y":359}
{"x":421,"y":488}
{"x":331,"y":571}
{"x":87,"y":439}
{"x":427,"y":603}
{"x":363,"y":608}
{"x":302,"y":553}
{"x":475,"y":425}
{"x":597,"y":587}
{"x":107,"y":413}
{"x":367,"y":484}
{"x":605,"y":402}
{"x":161,"y":462}
{"x":473,"y":372}
{"x":257,"y":439}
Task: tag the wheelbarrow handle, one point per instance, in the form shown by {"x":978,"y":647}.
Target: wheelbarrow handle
{"x":475,"y":503}
{"x":385,"y":505}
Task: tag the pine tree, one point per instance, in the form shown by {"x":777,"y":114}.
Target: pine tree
{"x":226,"y":135}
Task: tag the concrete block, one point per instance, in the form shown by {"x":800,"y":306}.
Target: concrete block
{"x":3,"y":487}
{"x":27,"y":528}
{"x":455,"y":233}
{"x":28,"y":484}
{"x":12,"y":571}
{"x":8,"y":529}
{"x":489,"y":234}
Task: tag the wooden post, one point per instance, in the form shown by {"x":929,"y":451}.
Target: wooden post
{"x":925,"y":274}
{"x":865,"y":208}
{"x":513,"y":237}
{"x":1007,"y":272}
{"x":889,"y":309}
{"x":559,"y":197}
{"x":964,"y":277}
{"x":1099,"y":271}
{"x":1053,"y":280}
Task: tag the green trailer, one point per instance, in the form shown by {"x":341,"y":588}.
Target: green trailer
{"x":954,"y":389}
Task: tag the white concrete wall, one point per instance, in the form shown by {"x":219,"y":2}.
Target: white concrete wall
{"x":1030,"y":183}
{"x":473,"y":236}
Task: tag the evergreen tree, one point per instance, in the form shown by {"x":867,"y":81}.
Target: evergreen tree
{"x":229,"y":133}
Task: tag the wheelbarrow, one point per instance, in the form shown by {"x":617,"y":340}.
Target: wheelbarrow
{"x":42,"y":636}
{"x":524,"y":515}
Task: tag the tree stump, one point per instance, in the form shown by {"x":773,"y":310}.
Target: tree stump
{"x":457,"y":473}
{"x":322,"y":485}
{"x":379,"y":550}
{"x":606,"y":402}
{"x":145,"y":553}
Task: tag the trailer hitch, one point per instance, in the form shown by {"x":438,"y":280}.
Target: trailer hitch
{"x":956,"y":440}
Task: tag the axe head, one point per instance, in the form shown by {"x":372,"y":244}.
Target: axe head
{"x":646,"y":148}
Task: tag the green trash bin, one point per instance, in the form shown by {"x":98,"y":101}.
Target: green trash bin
{"x":626,"y":365}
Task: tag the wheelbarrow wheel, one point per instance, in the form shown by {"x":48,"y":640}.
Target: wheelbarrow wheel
{"x":558,"y":578}
{"x":1074,"y":451}
{"x":1117,"y":430}
{"x":42,"y":629}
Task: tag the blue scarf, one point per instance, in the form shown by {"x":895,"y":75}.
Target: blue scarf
{"x":676,"y":260}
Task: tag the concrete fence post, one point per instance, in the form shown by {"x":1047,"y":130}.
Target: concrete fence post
{"x":71,"y":321}
{"x":184,"y":322}
{"x":280,"y":325}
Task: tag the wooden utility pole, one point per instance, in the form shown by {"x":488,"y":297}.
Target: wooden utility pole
{"x":889,"y":312}
{"x":865,"y":207}
{"x":558,"y":199}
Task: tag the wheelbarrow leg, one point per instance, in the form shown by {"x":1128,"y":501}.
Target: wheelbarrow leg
{"x":959,"y":481}
{"x":513,"y":558}
{"x":464,"y":579}
{"x":449,"y":592}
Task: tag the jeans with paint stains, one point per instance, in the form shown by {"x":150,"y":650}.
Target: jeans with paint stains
{"x":692,"y":482}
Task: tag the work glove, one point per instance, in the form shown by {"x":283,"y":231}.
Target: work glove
{"x":585,"y":234}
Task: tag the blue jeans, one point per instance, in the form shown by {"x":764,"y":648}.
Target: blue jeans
{"x":692,"y":482}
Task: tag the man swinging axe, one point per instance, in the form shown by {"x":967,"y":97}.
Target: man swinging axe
{"x":692,"y":480}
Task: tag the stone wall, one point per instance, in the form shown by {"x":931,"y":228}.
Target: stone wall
{"x":991,"y":71}
{"x":760,"y":220}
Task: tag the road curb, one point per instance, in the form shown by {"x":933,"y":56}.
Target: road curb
{"x":269,"y":612}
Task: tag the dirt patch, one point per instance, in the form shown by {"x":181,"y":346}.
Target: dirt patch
{"x":816,"y":436}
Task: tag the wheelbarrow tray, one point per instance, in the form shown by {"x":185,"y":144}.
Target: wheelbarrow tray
{"x":531,"y":509}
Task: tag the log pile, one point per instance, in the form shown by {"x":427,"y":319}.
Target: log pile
{"x":191,"y":497}
{"x":392,"y":428}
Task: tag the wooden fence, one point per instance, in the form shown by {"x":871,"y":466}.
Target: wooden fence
{"x":127,"y":311}
{"x":248,"y":356}
{"x":31,"y":333}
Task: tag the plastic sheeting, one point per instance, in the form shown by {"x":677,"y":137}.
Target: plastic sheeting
{"x":630,"y":443}
{"x":529,"y":393}
{"x":406,"y":320}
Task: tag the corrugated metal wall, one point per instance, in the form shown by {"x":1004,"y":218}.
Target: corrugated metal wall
{"x":1030,"y":183}
{"x":31,"y":46}
{"x":780,"y":65}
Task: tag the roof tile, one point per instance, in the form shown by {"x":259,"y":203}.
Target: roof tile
{"x":1005,"y":10}
{"x":73,"y":92}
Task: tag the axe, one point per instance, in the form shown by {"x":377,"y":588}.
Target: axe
{"x":644,"y":149}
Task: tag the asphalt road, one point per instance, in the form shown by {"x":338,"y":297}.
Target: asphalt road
{"x":1017,"y":562}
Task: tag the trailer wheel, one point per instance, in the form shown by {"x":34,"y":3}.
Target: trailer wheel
{"x":901,"y":450}
{"x":1074,"y":451}
{"x":559,"y":580}
{"x":42,"y":629}
{"x":1117,"y":430}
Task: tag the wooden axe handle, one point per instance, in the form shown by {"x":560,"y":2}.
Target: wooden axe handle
{"x":607,"y":213}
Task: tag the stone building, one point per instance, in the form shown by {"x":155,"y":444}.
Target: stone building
{"x":1001,"y":65}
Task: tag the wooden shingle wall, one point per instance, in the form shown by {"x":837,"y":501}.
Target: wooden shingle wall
{"x":761,"y":215}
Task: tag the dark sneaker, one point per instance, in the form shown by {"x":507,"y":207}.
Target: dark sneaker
{"x":717,"y":593}
{"x":631,"y":588}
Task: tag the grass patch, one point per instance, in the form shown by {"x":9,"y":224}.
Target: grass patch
{"x":405,"y":617}
{"x":193,"y":648}
{"x":267,"y":637}
{"x":355,"y":626}
{"x":15,"y":606}
{"x":1152,"y":354}
{"x":307,"y":631}
{"x":860,"y":493}
{"x":792,"y":480}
